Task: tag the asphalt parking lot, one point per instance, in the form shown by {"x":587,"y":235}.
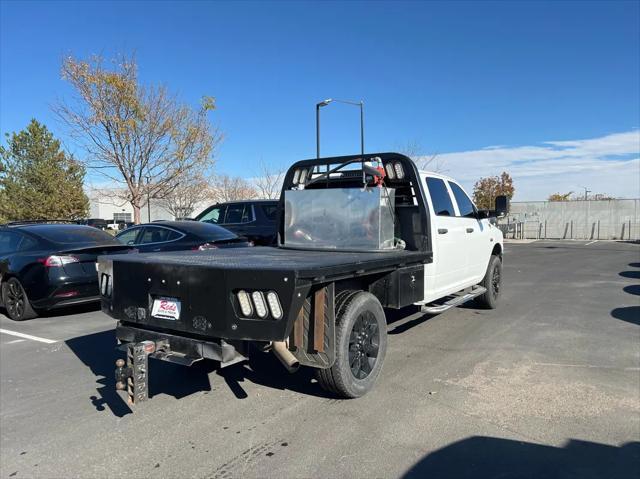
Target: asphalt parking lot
{"x":548,"y":385}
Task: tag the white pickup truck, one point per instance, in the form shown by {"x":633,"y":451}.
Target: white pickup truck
{"x":356,"y":236}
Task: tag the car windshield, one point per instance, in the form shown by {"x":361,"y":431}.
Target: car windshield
{"x":73,"y":234}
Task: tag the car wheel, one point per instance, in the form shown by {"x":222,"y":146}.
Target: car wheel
{"x":16,"y":301}
{"x":492,"y":282}
{"x":361,"y":344}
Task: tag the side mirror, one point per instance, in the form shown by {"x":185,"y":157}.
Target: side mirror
{"x":502,"y":206}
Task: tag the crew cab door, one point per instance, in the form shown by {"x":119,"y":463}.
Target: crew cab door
{"x":476,"y":236}
{"x":240,"y":219}
{"x":448,"y":271}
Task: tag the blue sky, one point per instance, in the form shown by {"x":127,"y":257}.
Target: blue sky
{"x":473,"y":82}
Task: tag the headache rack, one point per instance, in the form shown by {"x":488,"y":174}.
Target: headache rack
{"x":395,"y":171}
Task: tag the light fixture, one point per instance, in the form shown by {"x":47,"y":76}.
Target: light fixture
{"x":258,"y":302}
{"x":274,"y":304}
{"x":245,"y":303}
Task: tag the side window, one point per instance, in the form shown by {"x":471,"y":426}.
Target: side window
{"x":270,"y":211}
{"x":247,"y":214}
{"x":28,"y":244}
{"x":128,"y":236}
{"x":172,"y":235}
{"x":215,"y":215}
{"x":9,"y":242}
{"x":234,"y":214}
{"x":464,"y":203}
{"x":154,"y":234}
{"x":440,"y":198}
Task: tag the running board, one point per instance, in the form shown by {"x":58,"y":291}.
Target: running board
{"x":454,"y":300}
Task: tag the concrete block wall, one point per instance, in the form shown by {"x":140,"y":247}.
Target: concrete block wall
{"x":603,"y":219}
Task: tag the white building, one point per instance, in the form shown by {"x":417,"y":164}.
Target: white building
{"x":104,"y":203}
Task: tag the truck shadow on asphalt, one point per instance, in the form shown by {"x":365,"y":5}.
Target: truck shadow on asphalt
{"x":480,"y":456}
{"x":98,"y":352}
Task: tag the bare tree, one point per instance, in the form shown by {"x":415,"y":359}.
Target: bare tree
{"x":185,"y":197}
{"x":268,"y":182}
{"x":413,"y":149}
{"x":228,"y":188}
{"x":141,"y":137}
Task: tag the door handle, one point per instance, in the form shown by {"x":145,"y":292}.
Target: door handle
{"x":469,"y":230}
{"x":442,"y":231}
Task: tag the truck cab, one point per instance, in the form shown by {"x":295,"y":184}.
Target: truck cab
{"x":356,"y":236}
{"x":463,"y":239}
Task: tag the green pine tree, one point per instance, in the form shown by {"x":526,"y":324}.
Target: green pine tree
{"x":38,"y":180}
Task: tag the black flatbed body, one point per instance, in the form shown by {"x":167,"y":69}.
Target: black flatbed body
{"x":303,"y":264}
{"x":206,"y":284}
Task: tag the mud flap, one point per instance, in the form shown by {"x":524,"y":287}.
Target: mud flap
{"x":312,"y":340}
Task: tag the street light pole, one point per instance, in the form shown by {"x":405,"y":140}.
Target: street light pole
{"x":347,"y":102}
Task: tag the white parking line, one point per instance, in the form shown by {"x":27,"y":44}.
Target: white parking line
{"x":591,"y":242}
{"x":28,"y":336}
{"x":15,"y":341}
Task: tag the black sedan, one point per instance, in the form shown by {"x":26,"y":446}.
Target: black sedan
{"x":179,"y":235}
{"x":45,"y":265}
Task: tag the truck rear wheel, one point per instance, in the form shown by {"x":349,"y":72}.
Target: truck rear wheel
{"x":361,"y":344}
{"x":492,"y":282}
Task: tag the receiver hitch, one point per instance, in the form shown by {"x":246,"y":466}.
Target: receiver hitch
{"x":133,"y":377}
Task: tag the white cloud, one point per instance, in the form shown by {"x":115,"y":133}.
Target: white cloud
{"x":609,"y":164}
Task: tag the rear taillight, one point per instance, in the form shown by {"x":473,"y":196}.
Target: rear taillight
{"x":206,"y":246}
{"x":56,"y":261}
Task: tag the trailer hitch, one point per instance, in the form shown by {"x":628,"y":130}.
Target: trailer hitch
{"x":132,"y":378}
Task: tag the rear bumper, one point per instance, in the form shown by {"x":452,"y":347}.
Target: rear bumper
{"x":219,"y":350}
{"x":68,"y":293}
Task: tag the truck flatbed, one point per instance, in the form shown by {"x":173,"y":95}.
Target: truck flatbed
{"x":304,"y":264}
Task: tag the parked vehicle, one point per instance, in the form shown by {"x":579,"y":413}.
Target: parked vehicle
{"x":45,"y":265}
{"x":119,"y":225}
{"x":96,"y":223}
{"x":253,"y":219}
{"x":356,"y":235}
{"x":179,"y":235}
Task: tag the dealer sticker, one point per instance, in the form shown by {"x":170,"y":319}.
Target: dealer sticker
{"x":166,"y":308}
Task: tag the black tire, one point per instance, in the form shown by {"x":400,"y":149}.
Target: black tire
{"x":16,"y":302}
{"x":492,"y":282}
{"x":361,"y":344}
